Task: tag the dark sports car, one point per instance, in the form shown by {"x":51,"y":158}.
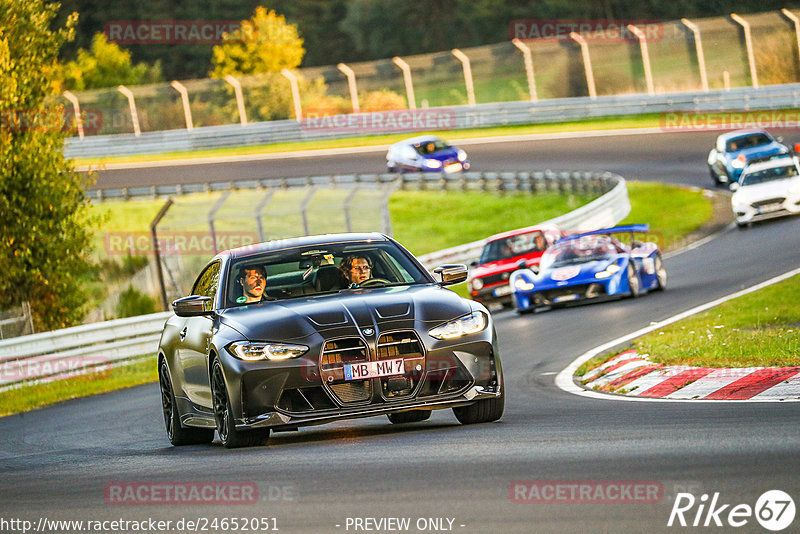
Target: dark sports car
{"x":591,"y":266}
{"x":277,"y":336}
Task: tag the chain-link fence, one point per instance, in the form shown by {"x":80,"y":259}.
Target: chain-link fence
{"x":498,"y":72}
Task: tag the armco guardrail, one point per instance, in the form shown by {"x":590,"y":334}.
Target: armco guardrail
{"x":605,"y":211}
{"x":77,"y":350}
{"x":99,"y":346}
{"x":482,"y":115}
{"x":533,"y":182}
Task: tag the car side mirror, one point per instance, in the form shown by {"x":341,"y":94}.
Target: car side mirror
{"x":473,"y":263}
{"x":779,"y":139}
{"x":192,"y":306}
{"x":734,"y":186}
{"x":451,"y":274}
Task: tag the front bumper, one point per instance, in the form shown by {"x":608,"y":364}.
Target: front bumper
{"x":562,"y":296}
{"x":763,"y":210}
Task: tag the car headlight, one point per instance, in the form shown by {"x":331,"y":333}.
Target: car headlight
{"x":253,"y":351}
{"x":463,"y":326}
{"x":477,"y":283}
{"x":522,"y":284}
{"x":739,"y":163}
{"x":610,"y":270}
{"x":461,"y":155}
{"x":433,"y":163}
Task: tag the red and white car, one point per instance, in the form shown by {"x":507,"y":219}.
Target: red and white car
{"x":505,"y":253}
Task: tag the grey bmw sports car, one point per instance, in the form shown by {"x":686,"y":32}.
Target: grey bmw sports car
{"x":315,"y":329}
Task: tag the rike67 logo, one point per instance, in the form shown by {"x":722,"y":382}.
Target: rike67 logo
{"x":774,"y":510}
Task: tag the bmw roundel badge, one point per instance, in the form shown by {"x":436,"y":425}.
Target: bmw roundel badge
{"x":368,"y":331}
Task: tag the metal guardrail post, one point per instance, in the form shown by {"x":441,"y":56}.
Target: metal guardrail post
{"x":648,"y":73}
{"x":385,"y":216}
{"x":132,"y":105}
{"x":76,"y":107}
{"x":412,"y":102}
{"x":304,"y":209}
{"x":465,"y":65}
{"x":157,"y":251}
{"x":237,"y":90}
{"x":528,"y":59}
{"x":796,"y":23}
{"x":701,"y":58}
{"x":351,"y":83}
{"x":748,"y":43}
{"x":298,"y":108}
{"x":259,"y":209}
{"x":213,"y":213}
{"x":587,"y":62}
{"x":187,"y":111}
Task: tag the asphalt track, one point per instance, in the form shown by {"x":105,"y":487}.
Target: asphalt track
{"x":56,"y":462}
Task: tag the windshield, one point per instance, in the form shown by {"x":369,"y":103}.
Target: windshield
{"x":429,"y":147}
{"x":328,"y":268}
{"x":769,"y":175}
{"x":748,"y":141}
{"x":581,"y":250}
{"x":510,"y":247}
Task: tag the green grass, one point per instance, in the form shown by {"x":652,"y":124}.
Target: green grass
{"x":35,"y":396}
{"x":761,"y":329}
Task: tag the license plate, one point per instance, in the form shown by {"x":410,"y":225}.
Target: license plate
{"x":362,"y":371}
{"x":502,"y":291}
{"x":453,"y":167}
{"x":768,"y":208}
{"x":566,"y":298}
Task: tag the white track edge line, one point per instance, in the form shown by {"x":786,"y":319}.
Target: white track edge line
{"x":564,"y":379}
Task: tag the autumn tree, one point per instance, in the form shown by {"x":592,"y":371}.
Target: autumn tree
{"x":44,"y":239}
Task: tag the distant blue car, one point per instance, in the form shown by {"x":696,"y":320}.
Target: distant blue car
{"x":590,"y":266}
{"x":733,"y":151}
{"x":426,"y":153}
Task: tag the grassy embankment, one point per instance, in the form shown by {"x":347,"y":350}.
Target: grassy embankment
{"x":449,"y":219}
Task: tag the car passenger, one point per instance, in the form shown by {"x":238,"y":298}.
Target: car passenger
{"x":356,"y":269}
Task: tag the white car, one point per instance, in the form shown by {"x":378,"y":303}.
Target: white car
{"x":766,"y":190}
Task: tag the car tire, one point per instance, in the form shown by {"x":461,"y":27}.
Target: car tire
{"x":661,"y":274}
{"x":414,"y":416}
{"x":742,"y":225}
{"x":633,"y":281}
{"x":223,"y":415}
{"x":390,"y":167}
{"x":178,"y":434}
{"x":482,"y":411}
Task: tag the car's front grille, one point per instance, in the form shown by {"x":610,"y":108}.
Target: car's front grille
{"x":777,"y":200}
{"x":405,"y":345}
{"x":495,"y":278}
{"x":564,"y":294}
{"x":335,"y":354}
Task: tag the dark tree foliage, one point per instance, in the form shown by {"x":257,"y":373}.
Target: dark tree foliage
{"x":44,"y":237}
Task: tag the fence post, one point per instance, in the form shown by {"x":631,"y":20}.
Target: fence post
{"x":351,"y":83}
{"x":298,"y":108}
{"x":346,"y":205}
{"x":587,"y":62}
{"x":77,"y":109}
{"x":527,"y":57}
{"x":237,"y":90}
{"x":465,"y":65}
{"x":157,"y":251}
{"x":132,"y":105}
{"x":748,"y":43}
{"x":412,"y":102}
{"x":698,"y":45}
{"x":304,"y":209}
{"x":796,"y":22}
{"x":387,"y":220}
{"x":648,"y":73}
{"x":213,"y":213}
{"x":187,"y":111}
{"x":259,"y":209}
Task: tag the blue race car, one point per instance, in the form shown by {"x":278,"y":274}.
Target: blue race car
{"x":733,"y":151}
{"x":425,"y":153}
{"x":589,"y":266}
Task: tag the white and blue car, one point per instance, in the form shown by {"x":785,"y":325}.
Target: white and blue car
{"x":590,"y":266}
{"x":733,"y":151}
{"x":426,"y":153}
